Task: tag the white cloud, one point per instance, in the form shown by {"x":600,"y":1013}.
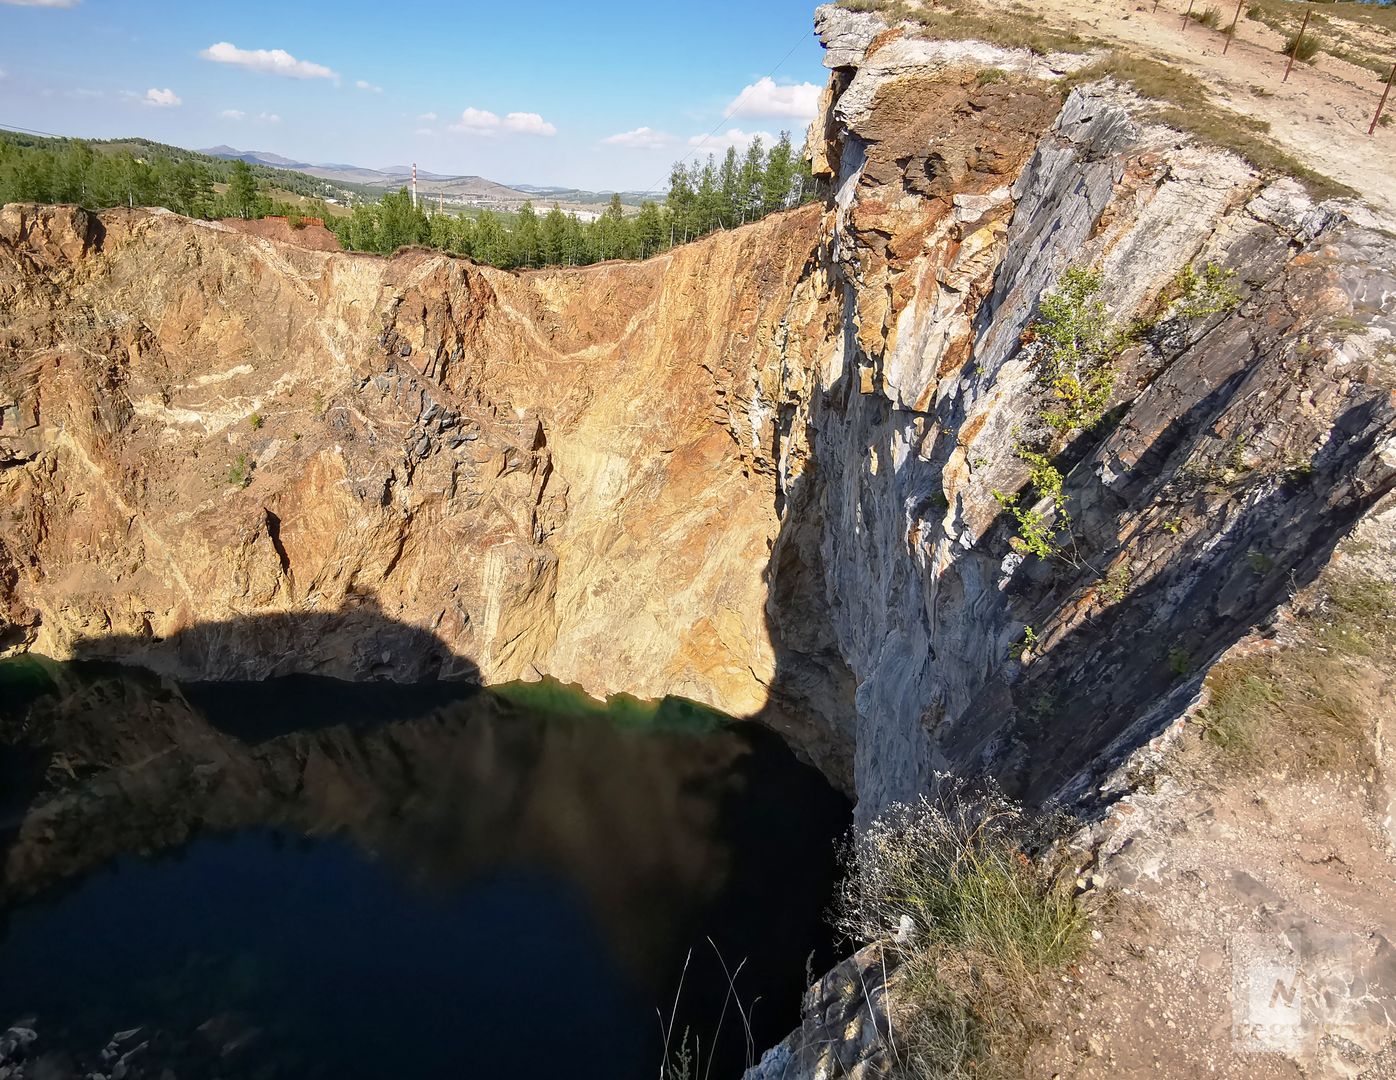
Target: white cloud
{"x":364,"y":84}
{"x":162,"y":99}
{"x":528,"y":123}
{"x":799,"y":101}
{"x":271,"y":61}
{"x":427,"y":117}
{"x":483,"y":122}
{"x":731,"y":137}
{"x":43,"y":3}
{"x":424,"y":131}
{"x":260,"y":118}
{"x":642,"y":138}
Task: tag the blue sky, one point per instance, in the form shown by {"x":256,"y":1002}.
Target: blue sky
{"x":599,"y":95}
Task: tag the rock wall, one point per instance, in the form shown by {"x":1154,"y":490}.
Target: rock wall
{"x":1236,"y":448}
{"x":764,"y":470}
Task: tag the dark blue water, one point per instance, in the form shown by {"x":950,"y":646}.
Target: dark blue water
{"x":305,"y":878}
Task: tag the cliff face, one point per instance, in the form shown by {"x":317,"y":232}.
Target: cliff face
{"x":759,"y":471}
{"x":229,"y":458}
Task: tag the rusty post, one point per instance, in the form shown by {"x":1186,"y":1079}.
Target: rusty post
{"x":1384,"y":95}
{"x":1155,"y":11}
{"x":1231,"y":33}
{"x":1297,"y":42}
{"x":1187,"y":15}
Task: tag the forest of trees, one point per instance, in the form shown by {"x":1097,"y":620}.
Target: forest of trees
{"x":703,"y":197}
{"x":73,"y":171}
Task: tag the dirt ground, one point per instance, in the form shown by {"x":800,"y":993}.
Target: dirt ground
{"x":1248,"y":920}
{"x":1320,"y":115}
{"x":313,"y":236}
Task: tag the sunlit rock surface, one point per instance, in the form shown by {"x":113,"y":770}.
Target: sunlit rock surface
{"x":758,"y":471}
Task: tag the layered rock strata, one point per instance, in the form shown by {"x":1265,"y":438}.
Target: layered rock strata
{"x":767,"y":470}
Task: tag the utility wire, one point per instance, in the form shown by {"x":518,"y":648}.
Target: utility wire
{"x":31,"y":131}
{"x":736,"y":105}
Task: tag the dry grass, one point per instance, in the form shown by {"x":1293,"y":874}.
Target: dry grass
{"x":965,"y":20}
{"x":1184,"y":103}
{"x":984,"y":920}
{"x":1303,"y":709}
{"x":1350,"y":30}
{"x":1210,"y":17}
{"x":1183,"y":100}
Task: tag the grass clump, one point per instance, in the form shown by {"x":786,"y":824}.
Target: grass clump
{"x":1300,"y":709}
{"x":961,"y":20}
{"x":981,"y":919}
{"x":1210,"y":18}
{"x":1306,"y":49}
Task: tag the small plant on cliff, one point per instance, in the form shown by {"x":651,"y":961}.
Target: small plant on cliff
{"x":981,"y":916}
{"x":1208,"y":293}
{"x":1037,"y":535}
{"x":240,"y":471}
{"x":256,"y":421}
{"x":1116,"y":584}
{"x":1073,"y":343}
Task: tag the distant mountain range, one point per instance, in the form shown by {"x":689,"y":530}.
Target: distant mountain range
{"x":457,"y":190}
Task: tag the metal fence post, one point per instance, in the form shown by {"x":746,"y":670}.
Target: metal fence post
{"x":1384,"y":94}
{"x":1232,"y":32}
{"x":1297,"y":42}
{"x":1187,"y":15}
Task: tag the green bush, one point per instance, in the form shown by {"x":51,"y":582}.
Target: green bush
{"x":1037,"y":535}
{"x":240,"y":471}
{"x":1074,"y":343}
{"x":1209,"y":293}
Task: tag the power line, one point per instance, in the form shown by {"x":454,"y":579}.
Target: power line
{"x":32,"y":131}
{"x":736,"y":105}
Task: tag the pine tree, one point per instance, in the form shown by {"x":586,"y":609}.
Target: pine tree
{"x":749,"y":181}
{"x":650,"y":232}
{"x":728,"y":179}
{"x":780,"y":172}
{"x":555,"y":237}
{"x":680,"y":204}
{"x":242,"y":190}
{"x":528,"y":240}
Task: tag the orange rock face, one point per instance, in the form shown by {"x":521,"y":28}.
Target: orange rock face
{"x":452,"y":469}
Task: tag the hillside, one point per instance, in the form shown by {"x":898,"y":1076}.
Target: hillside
{"x":457,"y":191}
{"x":277,"y":177}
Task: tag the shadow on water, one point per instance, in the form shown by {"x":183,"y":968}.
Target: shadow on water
{"x":369,"y":879}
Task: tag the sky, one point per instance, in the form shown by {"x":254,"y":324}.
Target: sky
{"x":599,"y":95}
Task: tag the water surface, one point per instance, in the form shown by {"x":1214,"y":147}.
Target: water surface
{"x":307,"y":878}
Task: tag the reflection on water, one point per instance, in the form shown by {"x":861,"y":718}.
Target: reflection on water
{"x":304,"y":877}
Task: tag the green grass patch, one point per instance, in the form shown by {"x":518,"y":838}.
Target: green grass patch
{"x":986,"y":918}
